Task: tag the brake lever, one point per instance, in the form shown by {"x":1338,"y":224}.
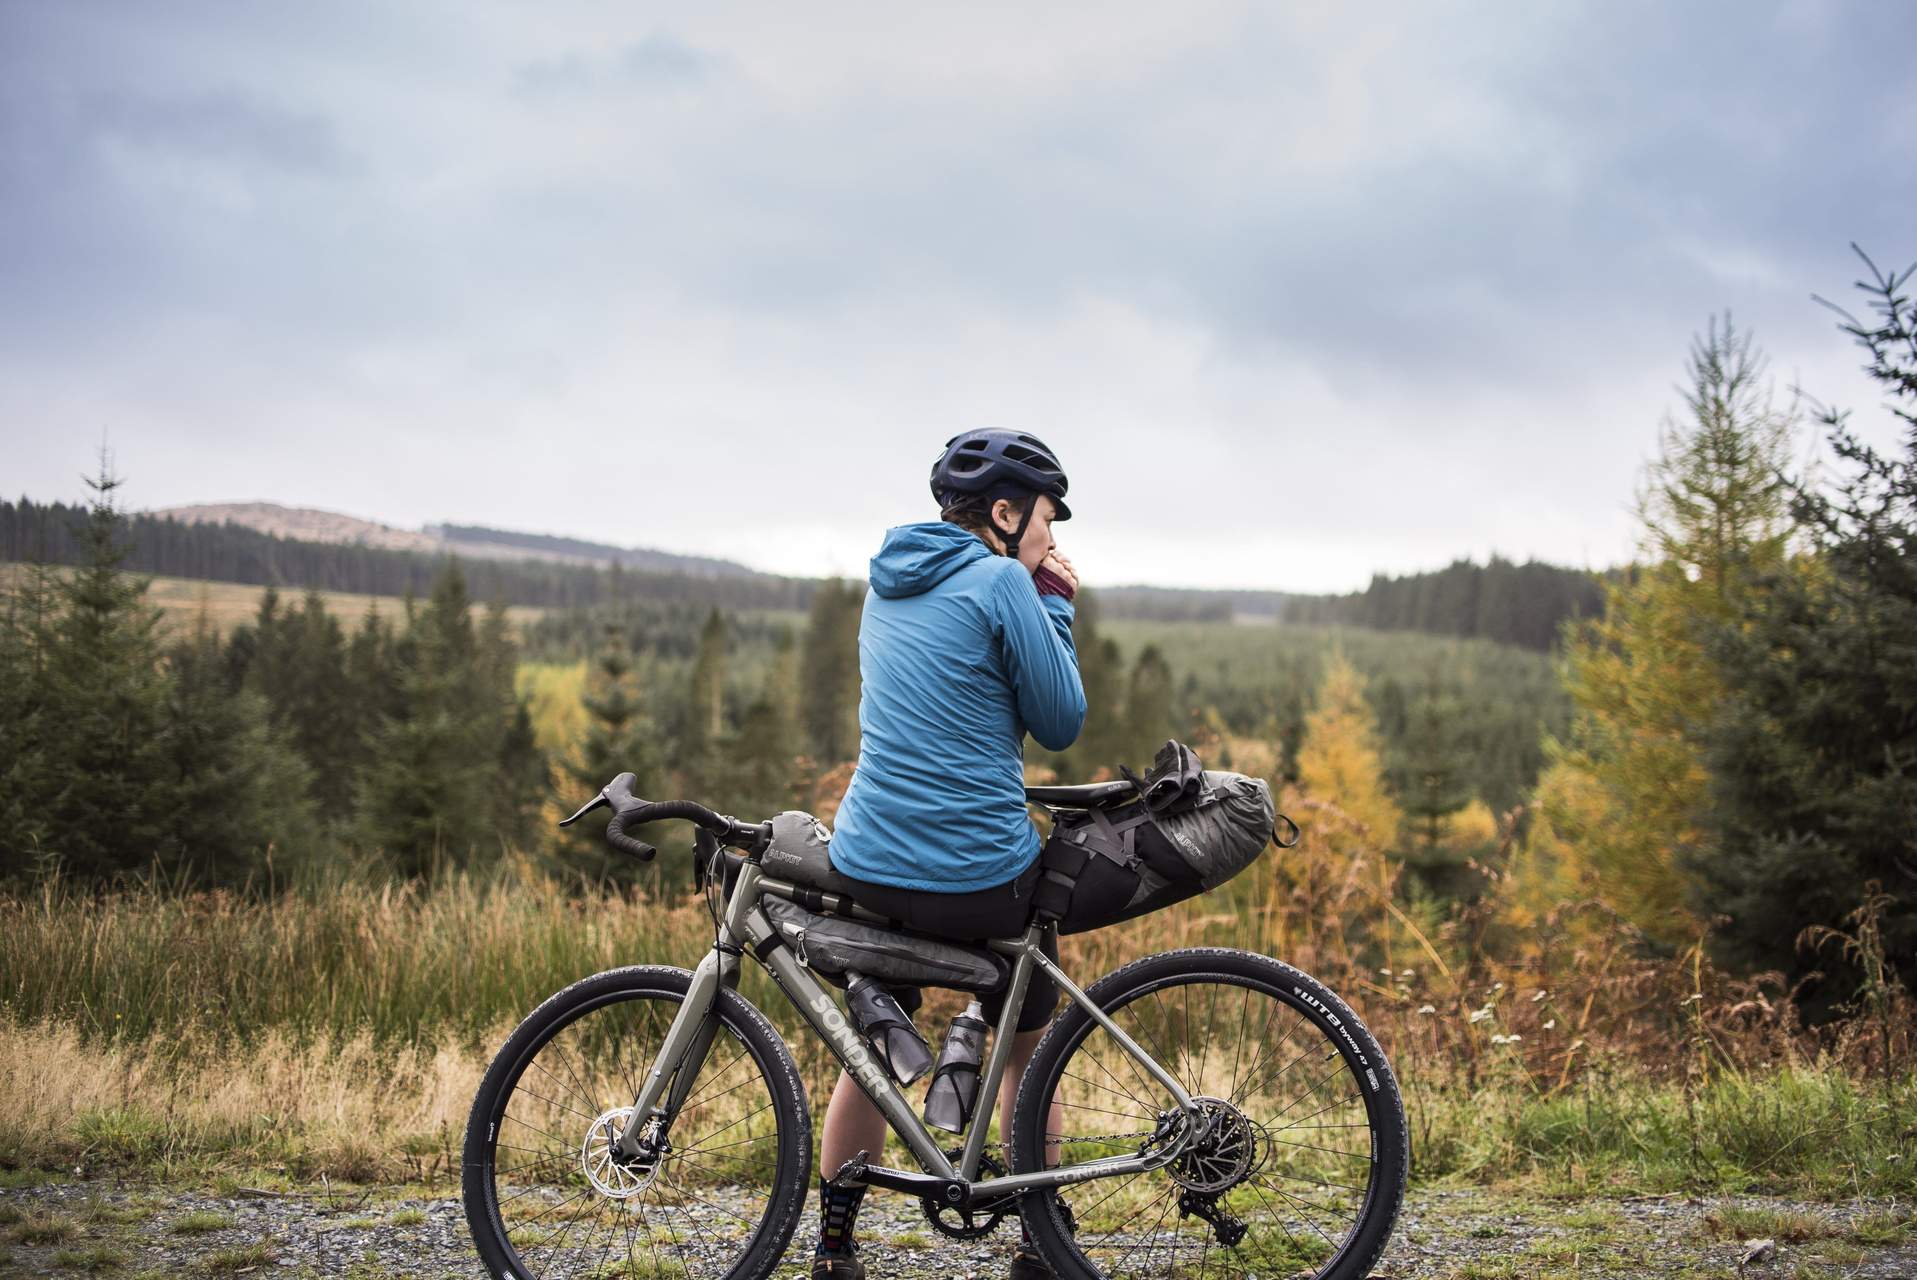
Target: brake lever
{"x":616,"y":794}
{"x":597,"y":802}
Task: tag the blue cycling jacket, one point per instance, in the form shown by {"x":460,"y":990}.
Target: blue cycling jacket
{"x":960,"y":658}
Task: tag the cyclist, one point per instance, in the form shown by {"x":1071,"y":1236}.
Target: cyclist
{"x":964,"y":647}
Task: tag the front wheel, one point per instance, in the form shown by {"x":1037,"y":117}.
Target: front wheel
{"x":1301,"y":1163}
{"x":546,"y":1194}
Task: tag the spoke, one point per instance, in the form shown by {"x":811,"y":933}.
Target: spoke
{"x":544,"y":1133}
{"x":1322,"y":1081}
{"x":1300,"y":1201}
{"x":549,"y":1102}
{"x":1272,"y":1051}
{"x":736,"y":1123}
{"x":743,"y":1142}
{"x":1099,"y":1063}
{"x":1330,"y":1151}
{"x":1238,"y":1047}
{"x":714,"y":1079}
{"x":560,"y":1055}
{"x":1279,"y":1218}
{"x":1086,"y":1249}
{"x":1339,"y":1102}
{"x":1265,"y":1046}
{"x":1105,"y":1111}
{"x":1204,"y":1053}
{"x":689,"y":1105}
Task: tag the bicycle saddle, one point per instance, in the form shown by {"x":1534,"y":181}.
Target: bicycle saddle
{"x":1084,"y":795}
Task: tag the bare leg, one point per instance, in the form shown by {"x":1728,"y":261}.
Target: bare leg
{"x":852,"y":1125}
{"x":1023,"y":1043}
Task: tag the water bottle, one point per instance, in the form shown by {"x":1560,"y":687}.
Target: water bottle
{"x":954,"y":1092}
{"x":895,"y":1041}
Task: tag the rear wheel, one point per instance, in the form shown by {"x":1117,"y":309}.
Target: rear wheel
{"x":1302,"y":1163}
{"x":547,"y":1195}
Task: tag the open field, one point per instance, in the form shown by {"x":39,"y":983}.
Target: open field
{"x":225,"y":605}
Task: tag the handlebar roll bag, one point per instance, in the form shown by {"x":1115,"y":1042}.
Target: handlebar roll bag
{"x":1107,"y":865}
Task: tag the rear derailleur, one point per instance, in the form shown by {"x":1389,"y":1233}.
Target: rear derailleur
{"x":1228,"y":1229}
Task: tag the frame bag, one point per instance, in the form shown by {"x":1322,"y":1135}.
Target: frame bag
{"x":835,"y":946}
{"x":1107,"y":865}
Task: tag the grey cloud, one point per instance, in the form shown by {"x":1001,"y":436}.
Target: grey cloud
{"x":660,"y":60}
{"x":1497,"y":215}
{"x":664,"y":58}
{"x":223,"y":126}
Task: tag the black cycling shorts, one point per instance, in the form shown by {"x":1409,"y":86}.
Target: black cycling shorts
{"x":1001,"y":911}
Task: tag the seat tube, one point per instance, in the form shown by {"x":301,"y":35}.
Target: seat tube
{"x":987,"y":1104}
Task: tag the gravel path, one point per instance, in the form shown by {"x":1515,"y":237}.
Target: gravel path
{"x":75,"y":1228}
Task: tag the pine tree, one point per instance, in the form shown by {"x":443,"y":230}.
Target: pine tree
{"x":241,"y":806}
{"x":1102,"y":744}
{"x":619,"y":739}
{"x":1341,"y":762}
{"x":829,"y":674}
{"x":432,"y":797}
{"x":104,"y":708}
{"x":1427,"y":777}
{"x":1813,"y":755}
{"x":764,"y":750}
{"x":1713,"y":512}
{"x":1148,"y":707}
{"x":28,"y":774}
{"x":703,"y":761}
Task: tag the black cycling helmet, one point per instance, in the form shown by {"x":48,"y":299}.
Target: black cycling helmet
{"x":992,"y":463}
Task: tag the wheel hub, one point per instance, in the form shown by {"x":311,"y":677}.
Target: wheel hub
{"x":1230,"y":1150}
{"x":613,"y":1175}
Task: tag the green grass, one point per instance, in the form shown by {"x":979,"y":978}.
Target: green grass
{"x":1882,"y":1229}
{"x":105,"y":1213}
{"x":38,"y":1227}
{"x":199,"y":1222}
{"x":99,"y":1257}
{"x":1786,"y":1226}
{"x":1797,"y":1130}
{"x":408,"y":1218}
{"x":239,"y":1258}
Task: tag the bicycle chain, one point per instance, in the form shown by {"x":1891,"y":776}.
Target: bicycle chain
{"x":1100,"y":1137}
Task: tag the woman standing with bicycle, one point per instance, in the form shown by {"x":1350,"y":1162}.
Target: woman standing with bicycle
{"x":1228,"y":1114}
{"x":965,"y":646}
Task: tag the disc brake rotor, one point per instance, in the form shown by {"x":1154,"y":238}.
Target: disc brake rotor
{"x":1230,"y":1151}
{"x":612,"y":1175}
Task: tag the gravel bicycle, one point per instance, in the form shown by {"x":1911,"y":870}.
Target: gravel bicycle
{"x":1202,"y":1112}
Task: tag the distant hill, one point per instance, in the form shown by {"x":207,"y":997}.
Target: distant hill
{"x":309,"y":524}
{"x":477,"y":540}
{"x":264,"y":543}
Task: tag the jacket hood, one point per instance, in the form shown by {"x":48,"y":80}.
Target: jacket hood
{"x":914,"y":558}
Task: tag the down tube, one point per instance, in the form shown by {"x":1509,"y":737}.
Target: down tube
{"x":818,"y":1007}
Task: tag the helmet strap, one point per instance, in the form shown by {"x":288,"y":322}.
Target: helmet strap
{"x":1018,"y":534}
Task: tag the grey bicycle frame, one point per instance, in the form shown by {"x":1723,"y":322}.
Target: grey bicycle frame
{"x":742,"y":925}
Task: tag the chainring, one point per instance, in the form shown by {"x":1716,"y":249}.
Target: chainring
{"x":978,"y":1220}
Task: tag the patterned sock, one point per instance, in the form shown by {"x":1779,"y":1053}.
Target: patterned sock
{"x":838,"y":1210}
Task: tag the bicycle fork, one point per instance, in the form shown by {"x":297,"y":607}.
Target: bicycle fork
{"x":681,"y":1056}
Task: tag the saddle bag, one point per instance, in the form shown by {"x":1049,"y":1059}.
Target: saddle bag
{"x":1104,"y":865}
{"x":835,"y":946}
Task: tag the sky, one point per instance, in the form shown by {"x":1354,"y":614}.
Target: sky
{"x":1297,"y":292}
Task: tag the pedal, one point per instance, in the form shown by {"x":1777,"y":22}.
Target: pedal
{"x":852,"y":1172}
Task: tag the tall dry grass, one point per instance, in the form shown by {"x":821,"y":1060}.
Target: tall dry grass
{"x":342,"y":1028}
